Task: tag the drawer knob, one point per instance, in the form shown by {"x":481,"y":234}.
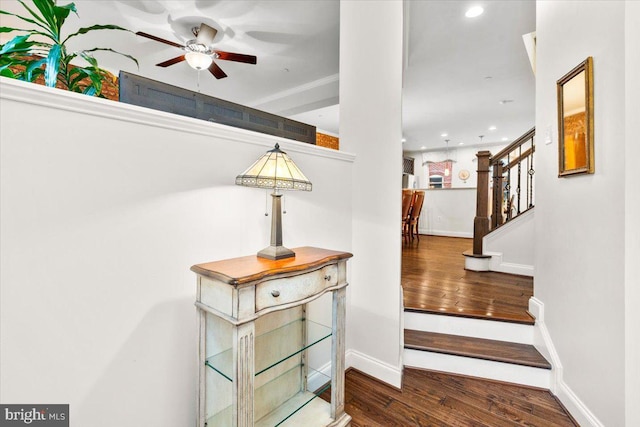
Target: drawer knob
{"x":275,"y":293}
{"x":327,"y":277}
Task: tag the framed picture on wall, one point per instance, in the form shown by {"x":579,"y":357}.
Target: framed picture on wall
{"x":575,"y":121}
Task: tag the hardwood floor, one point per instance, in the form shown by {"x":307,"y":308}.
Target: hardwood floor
{"x":434,"y":280}
{"x":431,"y":398}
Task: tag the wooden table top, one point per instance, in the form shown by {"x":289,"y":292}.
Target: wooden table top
{"x":237,"y":271}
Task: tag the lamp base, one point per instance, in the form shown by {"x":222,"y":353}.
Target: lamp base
{"x":276,"y":252}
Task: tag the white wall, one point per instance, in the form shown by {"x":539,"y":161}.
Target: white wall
{"x":580,"y":220}
{"x":632,"y":207}
{"x":465,"y":158}
{"x":511,"y":246}
{"x":104,"y":208}
{"x":448,"y":212}
{"x":370,"y":127}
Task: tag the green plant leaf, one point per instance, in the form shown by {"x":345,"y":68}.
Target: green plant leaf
{"x":9,"y":29}
{"x":61,"y":13}
{"x":35,"y":15}
{"x":53,"y":62}
{"x":93,"y":28}
{"x":16,"y":44}
{"x":5,"y":72}
{"x":46,"y":9}
{"x":90,"y":59}
{"x":76,"y":76}
{"x":40,"y":22}
{"x":48,"y":33}
{"x":107,"y":49}
{"x":30,"y":32}
{"x":30,"y":70}
{"x":90,"y":90}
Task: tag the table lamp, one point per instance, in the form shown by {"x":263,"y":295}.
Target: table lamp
{"x":277,"y":171}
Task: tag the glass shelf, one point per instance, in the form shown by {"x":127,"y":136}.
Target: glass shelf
{"x":222,"y":362}
{"x":287,"y":411}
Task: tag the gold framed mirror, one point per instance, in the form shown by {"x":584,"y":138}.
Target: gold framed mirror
{"x":575,"y":120}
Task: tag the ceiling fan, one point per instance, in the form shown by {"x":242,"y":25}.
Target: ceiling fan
{"x":200,"y":54}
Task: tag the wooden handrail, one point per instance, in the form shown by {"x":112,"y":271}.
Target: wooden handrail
{"x":503,"y":182}
{"x":515,"y":144}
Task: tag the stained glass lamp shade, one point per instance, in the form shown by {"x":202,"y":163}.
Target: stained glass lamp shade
{"x":277,"y":171}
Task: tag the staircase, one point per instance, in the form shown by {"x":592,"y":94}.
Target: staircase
{"x":485,"y":348}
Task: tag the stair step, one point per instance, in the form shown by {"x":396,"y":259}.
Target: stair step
{"x":478,"y":348}
{"x":469,"y":327}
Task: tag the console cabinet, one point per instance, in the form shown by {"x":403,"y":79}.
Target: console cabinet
{"x":256,"y":341}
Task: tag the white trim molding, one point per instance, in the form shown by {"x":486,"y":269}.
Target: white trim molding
{"x":544,"y":344}
{"x":497,"y":264}
{"x":35,"y":94}
{"x":446,"y":233}
{"x":390,"y":374}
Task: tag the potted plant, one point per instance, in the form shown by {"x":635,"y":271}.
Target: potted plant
{"x":42,"y":50}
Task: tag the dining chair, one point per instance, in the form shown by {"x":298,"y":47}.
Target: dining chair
{"x":407,"y":198}
{"x":416,"y":209}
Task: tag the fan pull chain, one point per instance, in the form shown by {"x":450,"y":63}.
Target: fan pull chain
{"x":266,"y":203}
{"x":284,"y":205}
{"x":198,"y":81}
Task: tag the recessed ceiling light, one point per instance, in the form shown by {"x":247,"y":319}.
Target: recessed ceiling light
{"x":423,"y":147}
{"x":403,"y":140}
{"x":444,"y":134}
{"x":505,"y":139}
{"x":474,"y":11}
{"x":492,"y":128}
{"x":461,"y":143}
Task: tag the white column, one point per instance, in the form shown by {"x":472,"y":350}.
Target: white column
{"x":337,"y":354}
{"x":370,"y":127}
{"x":243,"y":375}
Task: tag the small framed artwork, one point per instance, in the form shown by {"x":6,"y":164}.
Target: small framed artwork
{"x":575,"y":121}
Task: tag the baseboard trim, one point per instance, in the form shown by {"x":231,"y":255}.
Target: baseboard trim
{"x":446,"y":233}
{"x":497,"y":264}
{"x":383,"y":371}
{"x":544,"y":344}
{"x":576,"y":407}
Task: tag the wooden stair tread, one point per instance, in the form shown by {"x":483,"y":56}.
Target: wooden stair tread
{"x":524,"y":319}
{"x":479,"y":348}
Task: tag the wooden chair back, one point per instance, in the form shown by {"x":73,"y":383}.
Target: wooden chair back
{"x":407,"y":197}
{"x":417,"y":204}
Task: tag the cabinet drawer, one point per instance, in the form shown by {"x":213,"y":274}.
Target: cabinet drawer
{"x":290,"y":289}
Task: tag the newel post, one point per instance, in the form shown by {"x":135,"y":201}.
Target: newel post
{"x":498,"y":196}
{"x":481,"y":221}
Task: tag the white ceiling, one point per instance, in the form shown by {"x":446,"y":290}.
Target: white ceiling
{"x":449,"y":58}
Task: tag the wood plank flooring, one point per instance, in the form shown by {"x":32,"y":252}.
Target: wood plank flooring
{"x":500,"y":351}
{"x":434,"y":281}
{"x":431,"y":398}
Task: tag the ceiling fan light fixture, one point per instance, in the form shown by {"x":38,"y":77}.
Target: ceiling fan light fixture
{"x":198,"y":60}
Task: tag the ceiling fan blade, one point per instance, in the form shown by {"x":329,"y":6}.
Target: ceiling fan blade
{"x":158,"y":39}
{"x":217,"y":71}
{"x":171,"y":61}
{"x":238,"y":57}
